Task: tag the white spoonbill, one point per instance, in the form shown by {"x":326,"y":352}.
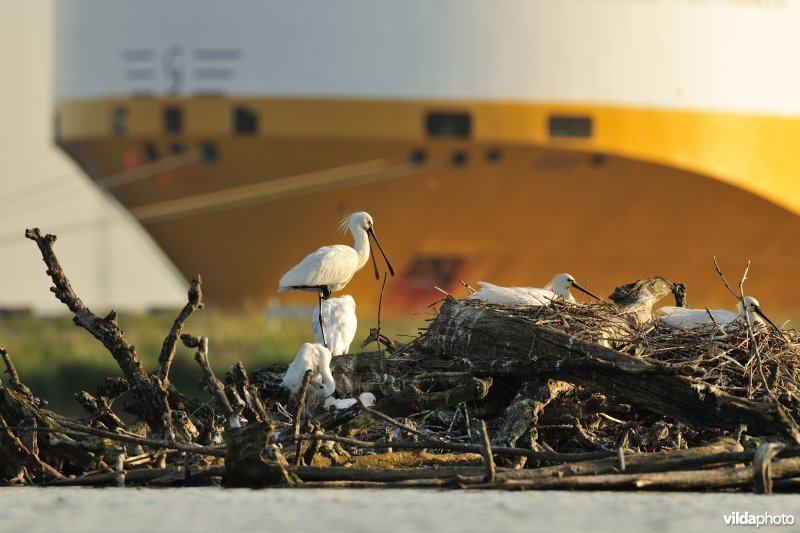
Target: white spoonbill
{"x":559,"y":286}
{"x":314,"y":357}
{"x":339,"y":317}
{"x":367,"y":398}
{"x":330,"y":268}
{"x":682,"y":318}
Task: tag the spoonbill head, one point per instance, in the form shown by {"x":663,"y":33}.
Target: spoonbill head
{"x":339,"y":317}
{"x":679,"y":292}
{"x":562,"y":283}
{"x":750,"y":310}
{"x":359,"y":223}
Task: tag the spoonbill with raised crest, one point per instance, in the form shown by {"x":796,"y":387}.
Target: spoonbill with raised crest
{"x":330,"y":268}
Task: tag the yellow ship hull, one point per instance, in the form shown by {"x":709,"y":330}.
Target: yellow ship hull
{"x":647,"y":192}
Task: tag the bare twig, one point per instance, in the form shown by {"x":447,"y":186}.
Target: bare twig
{"x":470,"y":290}
{"x":461,"y":447}
{"x":725,"y":281}
{"x":13,"y":377}
{"x":75,"y":429}
{"x":488,"y":459}
{"x":215,"y":386}
{"x":298,"y":414}
{"x":404,"y":427}
{"x":195,"y":302}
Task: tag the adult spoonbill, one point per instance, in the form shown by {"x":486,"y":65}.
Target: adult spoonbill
{"x":330,"y":268}
{"x":367,"y":398}
{"x":339,"y":314}
{"x":314,"y":357}
{"x":636,"y":299}
{"x":559,"y":286}
{"x":682,"y":318}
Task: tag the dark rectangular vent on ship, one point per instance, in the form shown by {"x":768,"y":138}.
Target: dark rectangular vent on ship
{"x":173,"y":119}
{"x":244,"y":121}
{"x":571,"y":127}
{"x":448,"y":125}
{"x":119,"y":121}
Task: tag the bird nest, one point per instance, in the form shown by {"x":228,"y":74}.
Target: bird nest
{"x":721,"y":355}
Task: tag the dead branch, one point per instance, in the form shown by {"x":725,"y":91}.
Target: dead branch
{"x":149,"y":394}
{"x":215,"y":386}
{"x":195,"y":302}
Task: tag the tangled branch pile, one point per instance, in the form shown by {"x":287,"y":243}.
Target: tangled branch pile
{"x":564,"y":396}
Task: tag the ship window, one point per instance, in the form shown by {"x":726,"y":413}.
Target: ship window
{"x":150,"y":151}
{"x":448,"y":125}
{"x":433,"y":270}
{"x":459,"y":157}
{"x":173,"y":119}
{"x":245,"y":121}
{"x":209,"y":151}
{"x":119,"y":121}
{"x":574,"y":127}
{"x":418,"y":156}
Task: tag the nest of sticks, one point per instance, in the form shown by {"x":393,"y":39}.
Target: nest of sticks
{"x":564,"y":396}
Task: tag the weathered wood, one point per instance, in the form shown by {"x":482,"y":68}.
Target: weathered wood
{"x":237,"y":378}
{"x":149,"y":394}
{"x":357,"y":373}
{"x":99,"y":409}
{"x":470,"y":338}
{"x":544,"y":456}
{"x":412,"y":400}
{"x":251,"y":462}
{"x":153,"y":476}
{"x":213,"y":384}
{"x":13,"y":376}
{"x":194,"y":302}
{"x":679,"y":480}
{"x":523,"y":413}
{"x":719,"y":452}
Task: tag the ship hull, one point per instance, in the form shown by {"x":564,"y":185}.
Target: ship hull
{"x":512,"y":209}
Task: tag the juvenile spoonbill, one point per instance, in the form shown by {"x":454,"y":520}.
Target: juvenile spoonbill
{"x":314,"y":357}
{"x":339,"y":316}
{"x":636,"y":299}
{"x":682,"y":318}
{"x":330,"y":268}
{"x":559,"y":286}
{"x":367,"y":398}
{"x":679,"y":291}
